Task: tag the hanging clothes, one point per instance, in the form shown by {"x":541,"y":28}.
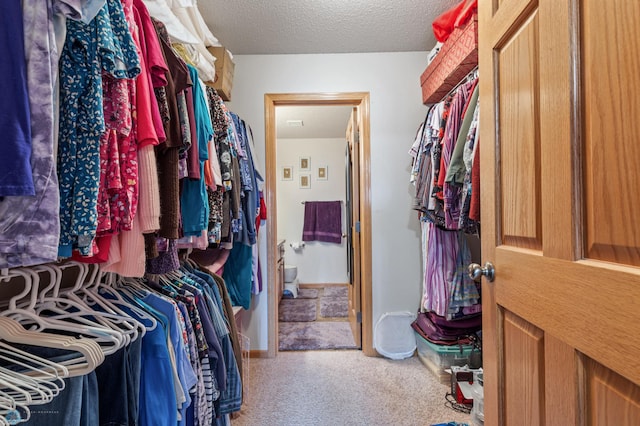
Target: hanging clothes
{"x":443,"y":152}
{"x":179,"y":363}
{"x":134,"y":115}
{"x":30,"y":226}
{"x":15,"y":125}
{"x":149,"y":161}
{"x":194,"y":200}
{"x":107,"y":39}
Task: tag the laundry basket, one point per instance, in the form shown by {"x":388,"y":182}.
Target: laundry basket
{"x":393,"y":336}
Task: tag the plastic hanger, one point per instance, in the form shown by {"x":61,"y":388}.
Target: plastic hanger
{"x":27,"y":276}
{"x":17,"y":393}
{"x":136,"y":296}
{"x":90,"y":352}
{"x":32,"y":364}
{"x":115,"y":299}
{"x":43,"y":373}
{"x":19,"y":313}
{"x":63,"y":307}
{"x":18,"y":414}
{"x":10,"y":409}
{"x":37,"y":392}
{"x":34,"y":321}
{"x":132,"y":285}
{"x":90,"y":295}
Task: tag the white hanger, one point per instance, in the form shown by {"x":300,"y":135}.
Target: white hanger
{"x":132,"y":285}
{"x":27,"y":276}
{"x":38,"y":369}
{"x":30,"y":318}
{"x":103,"y":287}
{"x":18,"y":313}
{"x":61,"y":308}
{"x":37,"y":392}
{"x":11,"y":331}
{"x":11,"y":416}
{"x":90,"y":295}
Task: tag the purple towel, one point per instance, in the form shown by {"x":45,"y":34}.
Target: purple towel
{"x":323,"y":221}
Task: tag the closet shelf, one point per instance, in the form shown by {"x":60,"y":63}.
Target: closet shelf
{"x":457,"y":57}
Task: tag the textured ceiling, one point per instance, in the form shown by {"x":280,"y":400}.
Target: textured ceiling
{"x":319,"y":121}
{"x":323,"y":26}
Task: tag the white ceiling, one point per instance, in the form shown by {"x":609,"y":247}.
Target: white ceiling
{"x":323,"y":26}
{"x":319,"y":121}
{"x":248,"y":27}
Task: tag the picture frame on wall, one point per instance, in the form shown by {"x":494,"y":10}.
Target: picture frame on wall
{"x":287,"y":173}
{"x":323,"y":173}
{"x":305,"y":164}
{"x":305,"y":181}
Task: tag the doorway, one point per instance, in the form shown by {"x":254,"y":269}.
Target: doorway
{"x":313,"y":222}
{"x":359,"y":231}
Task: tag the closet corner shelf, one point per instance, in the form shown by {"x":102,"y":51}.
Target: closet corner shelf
{"x":457,"y":57}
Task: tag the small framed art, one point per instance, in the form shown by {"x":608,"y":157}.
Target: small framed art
{"x":287,"y":173}
{"x":305,"y":163}
{"x":305,"y":181}
{"x":323,"y":173}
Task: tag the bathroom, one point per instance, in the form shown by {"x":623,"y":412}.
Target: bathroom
{"x":311,"y":166}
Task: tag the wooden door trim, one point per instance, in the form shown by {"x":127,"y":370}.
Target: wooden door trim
{"x":355,"y":290}
{"x":360,"y":99}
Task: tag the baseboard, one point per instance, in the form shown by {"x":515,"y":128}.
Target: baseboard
{"x":320,"y":285}
{"x":255,"y":353}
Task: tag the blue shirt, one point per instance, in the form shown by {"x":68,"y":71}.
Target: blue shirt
{"x":157,"y":393}
{"x":16,"y":177}
{"x":194,"y":201}
{"x":186,"y":374}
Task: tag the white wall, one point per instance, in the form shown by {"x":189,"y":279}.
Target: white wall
{"x":317,"y":262}
{"x":396,"y":112}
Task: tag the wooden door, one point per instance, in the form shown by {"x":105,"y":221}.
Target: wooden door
{"x":353,"y":169}
{"x":560,"y":161}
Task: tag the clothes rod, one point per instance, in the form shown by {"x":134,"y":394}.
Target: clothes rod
{"x":471,"y":75}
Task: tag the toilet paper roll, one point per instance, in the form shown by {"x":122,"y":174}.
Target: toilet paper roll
{"x":296,"y":245}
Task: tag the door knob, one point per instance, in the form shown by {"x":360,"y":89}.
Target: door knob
{"x":476,"y":271}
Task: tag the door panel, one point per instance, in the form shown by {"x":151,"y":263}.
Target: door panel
{"x":560,"y":148}
{"x":612,"y":234}
{"x":612,"y":399}
{"x":519,"y":142}
{"x":561,"y":387}
{"x":523,"y":371}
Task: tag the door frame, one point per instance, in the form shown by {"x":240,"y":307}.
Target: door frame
{"x":352,"y":163}
{"x":357,"y":99}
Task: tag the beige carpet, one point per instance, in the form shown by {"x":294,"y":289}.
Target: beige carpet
{"x":343,"y":388}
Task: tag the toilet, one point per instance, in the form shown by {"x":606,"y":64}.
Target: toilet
{"x":290,"y":273}
{"x":290,"y":280}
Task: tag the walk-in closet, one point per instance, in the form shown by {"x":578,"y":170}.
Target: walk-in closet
{"x":461,"y":251}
